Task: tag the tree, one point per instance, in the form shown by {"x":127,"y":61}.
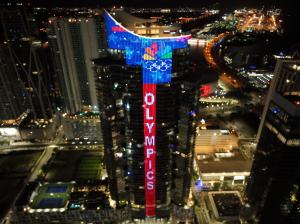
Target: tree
{"x":216,"y":186}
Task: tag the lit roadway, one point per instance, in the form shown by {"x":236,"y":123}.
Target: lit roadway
{"x":207,"y":52}
{"x":44,"y":158}
{"x":234,"y":82}
{"x":37,"y":146}
{"x":211,"y":61}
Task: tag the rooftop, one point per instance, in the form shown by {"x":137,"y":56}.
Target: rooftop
{"x":14,"y":122}
{"x":38,"y":123}
{"x":225,"y":204}
{"x":82,"y":115}
{"x":141,"y":25}
{"x":128,"y":20}
{"x":236,"y":163}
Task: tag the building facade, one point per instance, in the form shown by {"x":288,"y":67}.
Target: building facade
{"x":148,"y":120}
{"x":75,"y":42}
{"x":273,"y":189}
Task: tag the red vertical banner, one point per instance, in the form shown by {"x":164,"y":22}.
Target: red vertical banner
{"x":149,"y":105}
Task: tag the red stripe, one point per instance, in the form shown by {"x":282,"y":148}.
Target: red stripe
{"x":117,"y":29}
{"x":149,"y":104}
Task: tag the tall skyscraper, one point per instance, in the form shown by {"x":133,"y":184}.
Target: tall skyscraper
{"x":25,"y":76}
{"x":273,"y":189}
{"x":75,"y":42}
{"x":147,"y":108}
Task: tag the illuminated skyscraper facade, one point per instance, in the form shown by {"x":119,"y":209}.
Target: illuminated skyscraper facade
{"x":147,"y":112}
{"x":273,"y":189}
{"x":75,"y":42}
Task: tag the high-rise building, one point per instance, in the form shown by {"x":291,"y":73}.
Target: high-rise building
{"x":25,"y":82}
{"x":75,"y":42}
{"x":147,"y":108}
{"x":273,"y":189}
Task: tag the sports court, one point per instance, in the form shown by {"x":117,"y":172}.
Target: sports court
{"x":52,"y":195}
{"x":51,"y":203}
{"x":59,"y":188}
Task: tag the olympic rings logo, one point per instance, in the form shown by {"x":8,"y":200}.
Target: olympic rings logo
{"x":158,"y":65}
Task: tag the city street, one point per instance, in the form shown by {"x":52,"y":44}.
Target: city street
{"x":44,"y":158}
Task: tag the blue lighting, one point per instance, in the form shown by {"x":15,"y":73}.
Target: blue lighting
{"x":153,"y":54}
{"x":191,"y":113}
{"x":73,"y":206}
{"x":275,"y":110}
{"x":199,"y":185}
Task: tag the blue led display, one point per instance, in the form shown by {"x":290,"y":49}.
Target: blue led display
{"x":154,"y":54}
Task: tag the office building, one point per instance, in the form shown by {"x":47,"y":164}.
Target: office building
{"x":75,"y":42}
{"x":147,"y":109}
{"x":273,"y":189}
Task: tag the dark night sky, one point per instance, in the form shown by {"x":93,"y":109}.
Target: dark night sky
{"x":159,"y":3}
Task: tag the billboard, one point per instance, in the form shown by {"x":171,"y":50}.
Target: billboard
{"x":9,"y":132}
{"x":155,"y":57}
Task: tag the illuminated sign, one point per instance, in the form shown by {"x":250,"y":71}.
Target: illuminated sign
{"x":149,"y":104}
{"x":155,"y":57}
{"x":205,"y":90}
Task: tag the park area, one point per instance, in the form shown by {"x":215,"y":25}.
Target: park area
{"x":89,"y":167}
{"x":75,"y":165}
